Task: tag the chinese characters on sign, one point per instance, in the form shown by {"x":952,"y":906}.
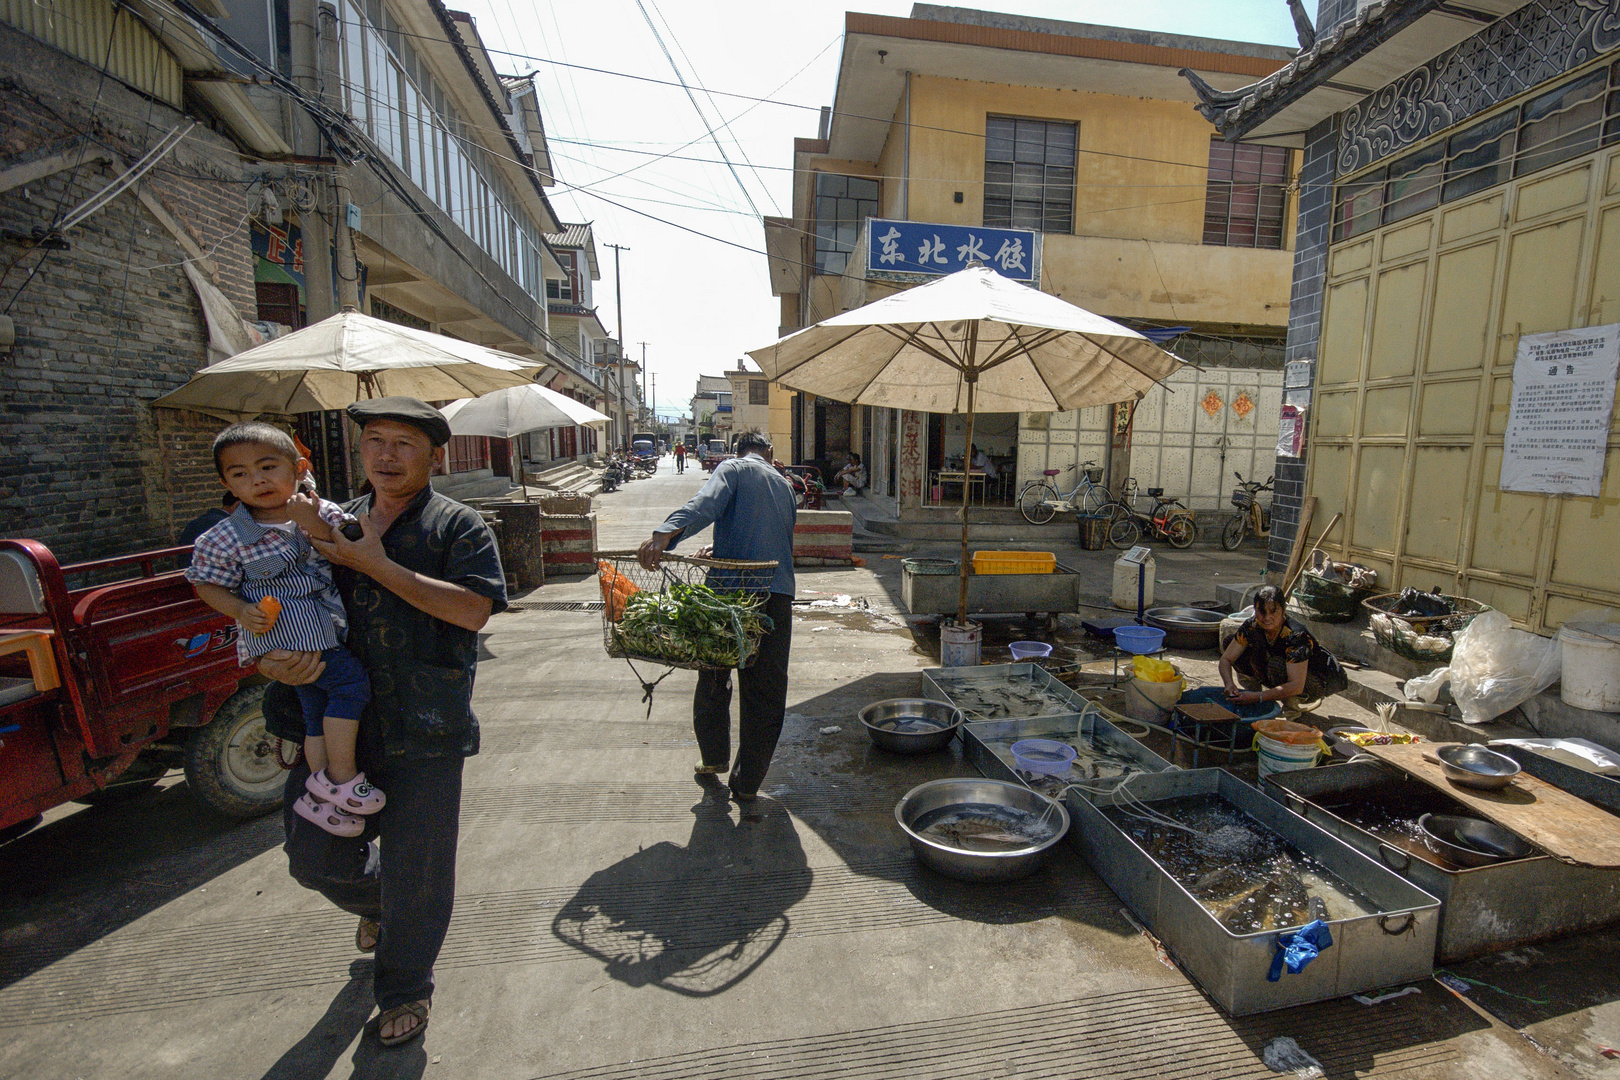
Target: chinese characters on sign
{"x":922,"y":247}
{"x":1558,"y":424}
{"x":911,"y":461}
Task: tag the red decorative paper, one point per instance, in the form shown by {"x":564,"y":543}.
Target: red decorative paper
{"x":1243,"y":405}
{"x":1211,"y":404}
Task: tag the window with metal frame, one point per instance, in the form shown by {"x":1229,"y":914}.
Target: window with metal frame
{"x":842,"y":204}
{"x":759,"y":392}
{"x":1029,"y":169}
{"x":1569,"y":120}
{"x":1246,"y":195}
{"x":563,"y":290}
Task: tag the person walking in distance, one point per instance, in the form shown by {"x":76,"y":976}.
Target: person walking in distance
{"x":751,"y":507}
{"x":680,"y":457}
{"x":422,"y":580}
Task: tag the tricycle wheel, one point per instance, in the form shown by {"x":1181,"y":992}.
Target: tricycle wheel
{"x":231,"y":762}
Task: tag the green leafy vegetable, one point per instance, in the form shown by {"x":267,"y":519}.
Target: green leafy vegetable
{"x":692,"y":624}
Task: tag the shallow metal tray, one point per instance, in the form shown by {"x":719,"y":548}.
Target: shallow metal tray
{"x":936,"y":594}
{"x":1483,"y":908}
{"x":1076,"y":729}
{"x":1394,"y":945}
{"x":936,"y":684}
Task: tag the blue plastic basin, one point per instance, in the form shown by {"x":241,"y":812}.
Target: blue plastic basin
{"x":1140,"y":640}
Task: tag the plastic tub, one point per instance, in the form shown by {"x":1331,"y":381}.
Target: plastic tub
{"x":1591,"y":675}
{"x":1281,"y":757}
{"x":1030,"y":650}
{"x":1260,"y":710}
{"x":1014,"y":562}
{"x":1043,"y":757}
{"x":1140,"y":640}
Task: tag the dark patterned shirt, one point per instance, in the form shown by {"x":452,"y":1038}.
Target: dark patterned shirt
{"x":1267,"y":661}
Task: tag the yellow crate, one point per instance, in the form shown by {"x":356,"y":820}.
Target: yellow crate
{"x":1014,"y":562}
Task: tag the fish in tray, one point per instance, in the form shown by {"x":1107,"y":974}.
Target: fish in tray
{"x":907,"y":725}
{"x":1246,"y":876}
{"x":985,"y":828}
{"x":985,"y":700}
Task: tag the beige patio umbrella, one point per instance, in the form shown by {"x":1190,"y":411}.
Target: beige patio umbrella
{"x":972,"y":341}
{"x":506,"y":414}
{"x":344,"y":359}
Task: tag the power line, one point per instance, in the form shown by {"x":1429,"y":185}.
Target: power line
{"x":698,"y":108}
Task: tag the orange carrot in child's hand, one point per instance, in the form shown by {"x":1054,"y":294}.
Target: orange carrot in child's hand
{"x":272,"y":611}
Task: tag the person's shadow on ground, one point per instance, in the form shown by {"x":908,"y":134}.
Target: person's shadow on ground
{"x":694,"y":920}
{"x":315,"y":1055}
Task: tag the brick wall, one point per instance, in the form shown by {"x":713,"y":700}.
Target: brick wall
{"x":104,"y":327}
{"x":1304,"y":325}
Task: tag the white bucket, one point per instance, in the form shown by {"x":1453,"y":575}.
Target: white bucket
{"x":1591,"y":676}
{"x":959,"y":645}
{"x":1128,"y":577}
{"x":1276,"y":757}
{"x":1152,"y":701}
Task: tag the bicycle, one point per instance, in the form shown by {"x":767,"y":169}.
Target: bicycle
{"x":1250,"y":514}
{"x":1169,"y":520}
{"x":1039,"y":501}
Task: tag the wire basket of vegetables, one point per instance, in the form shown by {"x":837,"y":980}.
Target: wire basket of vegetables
{"x":704,"y":614}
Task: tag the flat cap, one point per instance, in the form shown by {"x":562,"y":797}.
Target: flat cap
{"x":406,"y":410}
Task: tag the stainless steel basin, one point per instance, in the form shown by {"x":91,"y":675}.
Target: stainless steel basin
{"x":1187,"y":627}
{"x":911,"y":725}
{"x":1476,"y":767}
{"x":1469,"y":841}
{"x":978,"y":865}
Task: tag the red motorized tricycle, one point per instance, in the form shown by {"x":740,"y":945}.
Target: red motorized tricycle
{"x":105,"y":687}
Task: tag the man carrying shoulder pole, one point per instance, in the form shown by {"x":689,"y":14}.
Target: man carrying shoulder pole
{"x":751,"y":507}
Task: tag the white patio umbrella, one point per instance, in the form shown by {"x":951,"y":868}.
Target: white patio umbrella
{"x":344,"y":359}
{"x":972,"y":341}
{"x":506,"y":414}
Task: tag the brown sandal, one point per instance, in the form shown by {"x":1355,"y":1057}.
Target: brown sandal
{"x":368,"y":931}
{"x":418,"y":1009}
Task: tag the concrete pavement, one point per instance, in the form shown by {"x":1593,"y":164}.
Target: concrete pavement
{"x":613,"y":922}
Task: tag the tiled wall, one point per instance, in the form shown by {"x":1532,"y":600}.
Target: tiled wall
{"x":1304,"y":322}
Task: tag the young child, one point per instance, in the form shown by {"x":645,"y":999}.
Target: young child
{"x":261,"y":551}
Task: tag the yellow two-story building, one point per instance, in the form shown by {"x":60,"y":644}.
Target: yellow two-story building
{"x":1084,"y":142}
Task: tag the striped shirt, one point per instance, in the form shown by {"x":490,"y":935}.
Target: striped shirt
{"x":255,"y":560}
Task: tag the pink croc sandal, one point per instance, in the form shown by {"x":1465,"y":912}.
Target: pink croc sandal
{"x":355,"y":797}
{"x":328,"y":817}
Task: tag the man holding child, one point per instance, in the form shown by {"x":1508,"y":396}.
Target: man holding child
{"x":418,"y":585}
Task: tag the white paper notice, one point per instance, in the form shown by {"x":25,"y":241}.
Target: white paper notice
{"x":1558,"y":425}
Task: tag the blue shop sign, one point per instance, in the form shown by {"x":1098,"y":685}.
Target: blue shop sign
{"x":923,"y":247}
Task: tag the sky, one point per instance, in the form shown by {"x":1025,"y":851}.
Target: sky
{"x":695,"y":288}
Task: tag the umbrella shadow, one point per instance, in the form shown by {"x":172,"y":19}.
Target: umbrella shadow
{"x":693,"y":920}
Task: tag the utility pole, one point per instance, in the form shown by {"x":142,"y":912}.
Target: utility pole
{"x":643,"y":345}
{"x":618,"y":370}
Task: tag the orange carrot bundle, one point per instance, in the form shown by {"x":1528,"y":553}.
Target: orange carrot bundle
{"x":616,"y":590}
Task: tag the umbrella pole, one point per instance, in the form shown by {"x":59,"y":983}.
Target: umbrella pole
{"x":517,"y":466}
{"x":967,"y":485}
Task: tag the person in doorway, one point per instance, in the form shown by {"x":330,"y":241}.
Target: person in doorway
{"x":422,"y":580}
{"x":852,"y":475}
{"x":1273,"y":658}
{"x":982,"y":462}
{"x":752,"y":509}
{"x":680,"y":457}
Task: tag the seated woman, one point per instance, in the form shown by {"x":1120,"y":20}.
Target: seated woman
{"x":852,"y":475}
{"x":1276,"y":659}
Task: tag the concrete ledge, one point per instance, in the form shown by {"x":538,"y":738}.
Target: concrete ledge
{"x":826,"y":536}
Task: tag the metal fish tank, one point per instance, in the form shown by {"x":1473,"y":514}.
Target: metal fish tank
{"x":1221,"y":874}
{"x":1483,"y":908}
{"x":1103,"y":752}
{"x":1001,"y":691}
